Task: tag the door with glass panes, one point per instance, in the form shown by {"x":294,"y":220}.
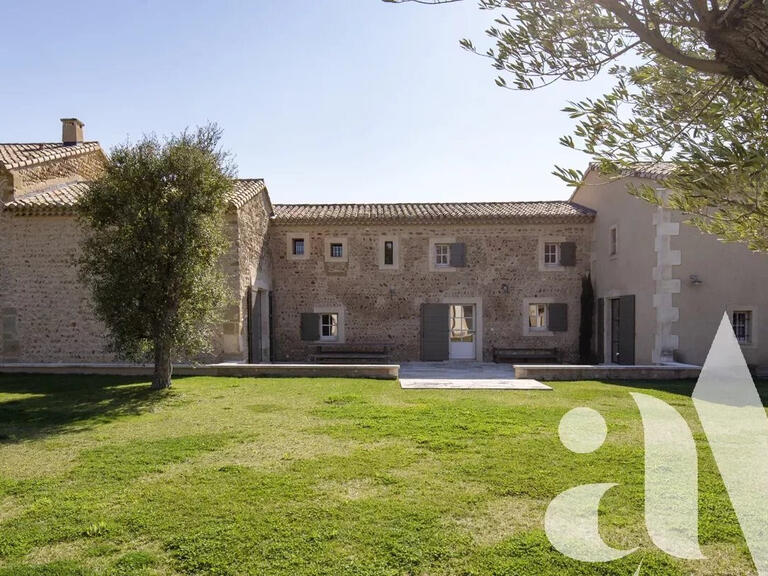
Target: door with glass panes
{"x":462,"y":335}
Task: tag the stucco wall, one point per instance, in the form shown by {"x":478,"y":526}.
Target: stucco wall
{"x":731,"y":277}
{"x":383,"y":306}
{"x":630,"y":272}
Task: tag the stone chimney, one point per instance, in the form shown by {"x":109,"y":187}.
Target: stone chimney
{"x":71,"y":131}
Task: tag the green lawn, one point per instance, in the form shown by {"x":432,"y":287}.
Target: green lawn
{"x":98,"y":475}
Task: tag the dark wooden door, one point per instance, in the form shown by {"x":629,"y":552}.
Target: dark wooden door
{"x":615,"y":330}
{"x":623,"y":330}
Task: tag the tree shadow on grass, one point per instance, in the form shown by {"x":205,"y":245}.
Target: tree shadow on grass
{"x":54,"y":404}
{"x":681,"y":387}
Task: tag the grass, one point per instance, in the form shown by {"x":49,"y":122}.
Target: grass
{"x":222,"y":476}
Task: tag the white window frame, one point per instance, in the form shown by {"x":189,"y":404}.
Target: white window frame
{"x":543,"y":241}
{"x":528,"y":330}
{"x":333,"y":323}
{"x":556,"y":245}
{"x":433,"y":243}
{"x":290,"y":238}
{"x":344,"y":249}
{"x":442,"y":255}
{"x":340,"y":321}
{"x":613,"y":241}
{"x":395,"y":252}
{"x":752,"y":311}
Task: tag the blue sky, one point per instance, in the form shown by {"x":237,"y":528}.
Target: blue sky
{"x":328,"y":100}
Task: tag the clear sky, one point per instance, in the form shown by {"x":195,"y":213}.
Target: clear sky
{"x":328,"y":100}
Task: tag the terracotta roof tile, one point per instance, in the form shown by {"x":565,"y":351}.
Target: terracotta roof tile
{"x":62,"y":198}
{"x":434,"y":212}
{"x":14,"y":156}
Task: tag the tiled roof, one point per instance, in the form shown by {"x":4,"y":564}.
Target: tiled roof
{"x":61,"y":199}
{"x":651,"y":170}
{"x":437,"y":212}
{"x":245,"y":191}
{"x":20,"y":155}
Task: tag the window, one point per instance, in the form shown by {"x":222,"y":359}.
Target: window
{"x":337,"y":250}
{"x":537,"y":317}
{"x":389,"y":253}
{"x":298,"y":247}
{"x":442,"y":254}
{"x":742,"y":326}
{"x":613,"y":241}
{"x":551,"y":254}
{"x":329,"y":326}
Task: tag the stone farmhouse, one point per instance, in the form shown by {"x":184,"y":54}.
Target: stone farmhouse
{"x":432,"y":282}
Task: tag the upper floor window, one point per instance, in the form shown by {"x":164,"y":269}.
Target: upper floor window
{"x":613,"y":241}
{"x":742,"y":326}
{"x":442,"y":254}
{"x":298,"y":247}
{"x":389,"y":253}
{"x":337,"y":250}
{"x":329,"y":326}
{"x":551,"y":253}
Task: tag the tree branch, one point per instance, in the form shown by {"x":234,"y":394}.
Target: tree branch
{"x":656,"y":41}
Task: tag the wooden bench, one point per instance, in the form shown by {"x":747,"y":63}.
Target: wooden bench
{"x":336,"y":354}
{"x":526,"y":355}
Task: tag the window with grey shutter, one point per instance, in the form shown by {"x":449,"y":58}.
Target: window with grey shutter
{"x":627,"y":330}
{"x":558,"y":317}
{"x":568,"y":254}
{"x":310,"y":327}
{"x":458,"y":255}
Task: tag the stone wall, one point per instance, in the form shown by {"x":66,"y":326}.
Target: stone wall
{"x":243,"y":263}
{"x":383,"y":306}
{"x":47,"y":315}
{"x":77,"y":168}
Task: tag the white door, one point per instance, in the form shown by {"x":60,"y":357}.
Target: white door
{"x":462,"y":335}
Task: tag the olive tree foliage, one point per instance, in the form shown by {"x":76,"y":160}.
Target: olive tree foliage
{"x":154,"y":233}
{"x":690,"y":90}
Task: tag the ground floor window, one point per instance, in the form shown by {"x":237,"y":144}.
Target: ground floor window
{"x":742,"y":326}
{"x":329,"y":326}
{"x":537,"y":316}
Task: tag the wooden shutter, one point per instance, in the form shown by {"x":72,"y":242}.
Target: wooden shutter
{"x":435,"y":331}
{"x":558,"y":317}
{"x":458,"y":255}
{"x":310,"y":327}
{"x":627,"y":330}
{"x":568,"y":254}
{"x":600,"y":330}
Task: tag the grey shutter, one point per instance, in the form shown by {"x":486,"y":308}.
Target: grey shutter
{"x":568,"y":254}
{"x":600,"y":330}
{"x":310,"y":327}
{"x":435,"y":332}
{"x":627,"y":330}
{"x":458,"y":255}
{"x":558,"y":317}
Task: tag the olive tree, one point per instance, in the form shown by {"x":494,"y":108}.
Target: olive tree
{"x":154,"y":233}
{"x":690,"y":90}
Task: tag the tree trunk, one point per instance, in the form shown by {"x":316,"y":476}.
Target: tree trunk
{"x":739,"y":36}
{"x":161,"y":378}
